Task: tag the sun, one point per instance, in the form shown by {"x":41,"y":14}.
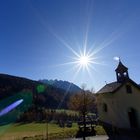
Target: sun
{"x":84,"y":60}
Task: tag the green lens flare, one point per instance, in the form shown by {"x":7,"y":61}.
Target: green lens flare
{"x":40,"y":88}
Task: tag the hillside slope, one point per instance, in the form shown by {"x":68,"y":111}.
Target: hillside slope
{"x":43,"y":94}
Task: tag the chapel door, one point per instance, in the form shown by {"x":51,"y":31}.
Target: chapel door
{"x":132,"y":118}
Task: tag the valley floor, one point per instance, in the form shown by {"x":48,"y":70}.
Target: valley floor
{"x":39,"y":131}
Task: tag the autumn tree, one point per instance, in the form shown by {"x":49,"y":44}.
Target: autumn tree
{"x":83,"y":101}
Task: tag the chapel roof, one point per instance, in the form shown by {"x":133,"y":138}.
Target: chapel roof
{"x":109,"y":88}
{"x":114,"y":86}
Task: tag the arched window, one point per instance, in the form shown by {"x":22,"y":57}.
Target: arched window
{"x":125,"y":74}
{"x":119,"y":75}
{"x":105,"y":107}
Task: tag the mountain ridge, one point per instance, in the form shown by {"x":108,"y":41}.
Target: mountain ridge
{"x":65,"y":85}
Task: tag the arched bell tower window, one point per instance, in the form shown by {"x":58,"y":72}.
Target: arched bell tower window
{"x":119,"y":75}
{"x":125,"y":74}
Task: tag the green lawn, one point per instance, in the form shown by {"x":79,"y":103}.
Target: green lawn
{"x":34,"y":131}
{"x":18,"y":131}
{"x":68,"y":112}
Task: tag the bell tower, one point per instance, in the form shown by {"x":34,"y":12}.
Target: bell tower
{"x":121,"y":72}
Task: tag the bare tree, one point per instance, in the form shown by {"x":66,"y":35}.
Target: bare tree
{"x":83,"y":102}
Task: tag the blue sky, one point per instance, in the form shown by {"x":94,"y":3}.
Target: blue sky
{"x":34,"y":34}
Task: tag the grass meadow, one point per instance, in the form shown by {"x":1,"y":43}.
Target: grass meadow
{"x":37,"y":131}
{"x":34,"y":130}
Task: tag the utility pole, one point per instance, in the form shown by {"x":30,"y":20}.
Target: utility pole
{"x":84,"y":117}
{"x":46,"y":126}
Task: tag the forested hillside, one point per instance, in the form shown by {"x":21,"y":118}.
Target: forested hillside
{"x":43,"y":94}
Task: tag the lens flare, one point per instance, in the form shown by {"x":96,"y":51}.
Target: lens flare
{"x":10,"y":107}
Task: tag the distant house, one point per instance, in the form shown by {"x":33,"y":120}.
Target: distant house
{"x":119,"y":101}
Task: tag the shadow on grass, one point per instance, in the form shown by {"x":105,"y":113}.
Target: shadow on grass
{"x":115,"y":133}
{"x":88,"y":132}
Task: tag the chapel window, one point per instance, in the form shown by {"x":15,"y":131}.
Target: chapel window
{"x":105,"y":107}
{"x":128,"y":89}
